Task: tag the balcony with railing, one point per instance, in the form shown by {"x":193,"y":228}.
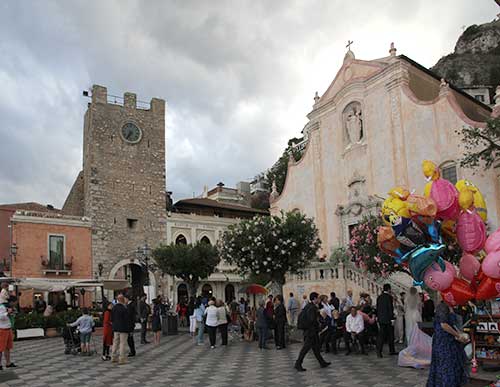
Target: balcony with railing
{"x":57,"y":267}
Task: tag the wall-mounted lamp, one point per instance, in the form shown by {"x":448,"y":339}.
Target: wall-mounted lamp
{"x":100,"y":268}
{"x":13,"y":249}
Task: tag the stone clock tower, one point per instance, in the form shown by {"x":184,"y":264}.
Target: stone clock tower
{"x":122,"y":185}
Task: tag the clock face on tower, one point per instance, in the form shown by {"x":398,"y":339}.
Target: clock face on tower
{"x":131,"y":133}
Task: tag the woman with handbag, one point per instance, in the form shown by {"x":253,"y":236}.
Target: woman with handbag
{"x":211,"y":321}
{"x":107,"y":332}
{"x":156,"y":321}
{"x":448,"y":356}
{"x":222,"y":320}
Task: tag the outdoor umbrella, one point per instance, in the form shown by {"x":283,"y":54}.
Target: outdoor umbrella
{"x":254,"y":289}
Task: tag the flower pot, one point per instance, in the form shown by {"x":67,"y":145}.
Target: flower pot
{"x":51,"y":332}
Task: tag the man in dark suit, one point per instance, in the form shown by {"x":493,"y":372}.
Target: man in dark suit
{"x":385,"y":317}
{"x":132,"y":318}
{"x":311,"y":333}
{"x":144,"y":311}
{"x":120,"y":321}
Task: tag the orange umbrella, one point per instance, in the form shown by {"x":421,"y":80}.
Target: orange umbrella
{"x":254,"y":289}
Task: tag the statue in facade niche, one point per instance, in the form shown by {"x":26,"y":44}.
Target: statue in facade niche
{"x":354,"y":125}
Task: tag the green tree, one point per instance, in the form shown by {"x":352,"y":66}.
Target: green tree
{"x":191,"y":263}
{"x":482,"y":145}
{"x":278,"y":171}
{"x":272,"y":246}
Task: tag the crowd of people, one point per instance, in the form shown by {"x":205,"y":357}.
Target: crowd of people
{"x":364,"y":325}
{"x":327,"y":324}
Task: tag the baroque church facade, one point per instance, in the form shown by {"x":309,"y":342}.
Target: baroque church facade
{"x":369,"y":132}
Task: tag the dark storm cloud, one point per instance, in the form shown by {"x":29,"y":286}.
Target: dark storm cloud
{"x":238,"y":77}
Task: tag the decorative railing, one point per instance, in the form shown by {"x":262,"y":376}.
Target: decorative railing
{"x":346,"y":271}
{"x":51,"y":266}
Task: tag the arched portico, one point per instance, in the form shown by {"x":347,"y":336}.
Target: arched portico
{"x":149,"y":290}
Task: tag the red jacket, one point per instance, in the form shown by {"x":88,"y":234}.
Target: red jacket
{"x":107,"y":328}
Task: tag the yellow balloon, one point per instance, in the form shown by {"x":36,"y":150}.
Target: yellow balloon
{"x":430,"y":170}
{"x":399,"y":193}
{"x":394,"y":208}
{"x":465,"y":199}
{"x":427,"y":189}
{"x":478,"y":198}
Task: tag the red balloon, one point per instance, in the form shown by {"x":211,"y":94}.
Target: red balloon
{"x":488,"y":288}
{"x":458,"y":293}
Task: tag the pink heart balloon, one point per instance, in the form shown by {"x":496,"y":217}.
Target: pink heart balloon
{"x":469,"y":266}
{"x":491,"y":265}
{"x":493,"y":242}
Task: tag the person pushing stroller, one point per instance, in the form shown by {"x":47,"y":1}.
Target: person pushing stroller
{"x":85,"y":325}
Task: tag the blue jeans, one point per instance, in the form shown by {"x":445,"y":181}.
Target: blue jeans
{"x":201,"y":328}
{"x":262,"y":337}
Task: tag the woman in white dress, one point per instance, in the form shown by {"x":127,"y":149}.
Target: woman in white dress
{"x":399,"y":328}
{"x":413,"y":312}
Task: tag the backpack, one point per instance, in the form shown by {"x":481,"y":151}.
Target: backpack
{"x":302,"y":320}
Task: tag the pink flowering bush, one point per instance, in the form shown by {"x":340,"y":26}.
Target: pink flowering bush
{"x":364,"y":252}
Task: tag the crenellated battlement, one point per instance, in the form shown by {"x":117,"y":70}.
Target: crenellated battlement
{"x":129,"y":100}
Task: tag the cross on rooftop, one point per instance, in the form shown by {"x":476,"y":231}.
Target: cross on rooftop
{"x":349,"y":42}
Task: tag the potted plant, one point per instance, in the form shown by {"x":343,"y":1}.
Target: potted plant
{"x":28,"y":325}
{"x":68,"y":264}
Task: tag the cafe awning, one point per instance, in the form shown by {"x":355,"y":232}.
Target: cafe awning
{"x":60,"y":285}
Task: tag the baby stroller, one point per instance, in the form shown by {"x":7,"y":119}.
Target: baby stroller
{"x":71,"y":340}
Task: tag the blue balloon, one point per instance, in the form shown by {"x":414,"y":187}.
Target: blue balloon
{"x":424,"y":256}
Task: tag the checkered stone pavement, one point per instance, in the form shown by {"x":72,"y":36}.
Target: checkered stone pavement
{"x":178,"y":362}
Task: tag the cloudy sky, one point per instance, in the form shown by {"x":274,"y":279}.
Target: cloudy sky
{"x":238,"y":76}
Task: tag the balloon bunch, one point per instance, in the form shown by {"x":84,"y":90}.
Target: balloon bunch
{"x":414,"y":230}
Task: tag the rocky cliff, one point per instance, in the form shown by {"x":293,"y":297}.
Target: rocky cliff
{"x":476,"y":59}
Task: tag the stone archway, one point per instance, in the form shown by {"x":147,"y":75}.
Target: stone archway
{"x":207,"y":291}
{"x":149,"y":290}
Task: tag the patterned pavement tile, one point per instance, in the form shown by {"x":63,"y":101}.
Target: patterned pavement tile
{"x":177,"y":362}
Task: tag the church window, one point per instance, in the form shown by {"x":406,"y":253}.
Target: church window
{"x":479,"y":97}
{"x":205,"y":240}
{"x":449,"y":172}
{"x":131,"y":223}
{"x":181,"y":240}
{"x":56,"y":252}
{"x":114,"y":220}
